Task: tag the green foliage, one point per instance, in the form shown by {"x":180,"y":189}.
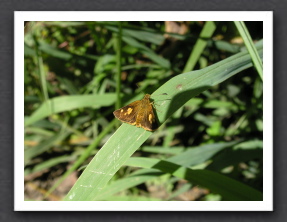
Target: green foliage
{"x":78,"y":73}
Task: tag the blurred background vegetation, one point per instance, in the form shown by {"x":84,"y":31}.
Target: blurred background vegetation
{"x":72,"y":67}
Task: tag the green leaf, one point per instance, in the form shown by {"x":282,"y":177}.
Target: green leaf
{"x":142,"y":35}
{"x":44,"y":146}
{"x":228,"y":188}
{"x":199,"y":154}
{"x":147,"y":51}
{"x":200,"y":45}
{"x":67,"y":103}
{"x":214,"y":129}
{"x":250,"y":47}
{"x":190,"y":157}
{"x":44,"y":47}
{"x":49,"y":163}
{"x":132,"y":180}
{"x":165,"y":150}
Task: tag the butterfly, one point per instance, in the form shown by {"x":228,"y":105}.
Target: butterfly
{"x":139,"y":113}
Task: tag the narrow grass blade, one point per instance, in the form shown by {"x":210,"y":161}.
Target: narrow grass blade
{"x":200,"y":45}
{"x":67,"y":103}
{"x":250,"y":47}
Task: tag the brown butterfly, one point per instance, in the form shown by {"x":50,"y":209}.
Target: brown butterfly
{"x":139,"y":113}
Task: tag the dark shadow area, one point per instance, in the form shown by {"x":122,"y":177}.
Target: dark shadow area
{"x":182,"y":97}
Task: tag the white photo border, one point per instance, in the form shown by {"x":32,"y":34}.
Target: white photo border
{"x":21,"y":205}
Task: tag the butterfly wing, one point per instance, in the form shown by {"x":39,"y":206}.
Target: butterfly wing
{"x":128,"y":114}
{"x":148,"y":121}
